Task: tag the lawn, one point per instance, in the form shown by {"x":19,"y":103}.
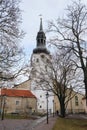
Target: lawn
{"x":70,"y":124}
{"x":18,"y":116}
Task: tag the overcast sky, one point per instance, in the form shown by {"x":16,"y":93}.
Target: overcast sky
{"x":50,"y":9}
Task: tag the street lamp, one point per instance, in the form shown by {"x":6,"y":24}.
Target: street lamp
{"x":47,"y":105}
{"x":3,"y":107}
{"x":53,"y":108}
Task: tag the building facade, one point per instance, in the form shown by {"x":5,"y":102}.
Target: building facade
{"x":84,"y":102}
{"x":75,"y":104}
{"x":17,"y":101}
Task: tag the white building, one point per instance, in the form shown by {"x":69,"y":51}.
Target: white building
{"x":39,"y":59}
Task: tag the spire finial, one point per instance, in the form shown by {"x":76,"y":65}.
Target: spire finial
{"x":41,"y":26}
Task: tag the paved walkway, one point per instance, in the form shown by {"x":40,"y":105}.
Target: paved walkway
{"x":44,"y":126}
{"x":23,"y":124}
{"x":39,"y":124}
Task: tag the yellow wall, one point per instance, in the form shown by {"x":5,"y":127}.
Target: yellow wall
{"x":23,"y":86}
{"x":71,"y":107}
{"x":25,"y":105}
{"x":84,"y":105}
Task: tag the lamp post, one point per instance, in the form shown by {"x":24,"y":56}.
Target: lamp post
{"x":47,"y":105}
{"x":53,"y":108}
{"x":3,"y":107}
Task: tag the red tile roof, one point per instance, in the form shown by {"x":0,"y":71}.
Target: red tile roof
{"x":17,"y":93}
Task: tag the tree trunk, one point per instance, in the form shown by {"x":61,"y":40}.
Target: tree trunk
{"x":85,"y":82}
{"x":3,"y":107}
{"x":62,"y":108}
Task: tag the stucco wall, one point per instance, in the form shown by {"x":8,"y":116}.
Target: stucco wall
{"x":20,"y":104}
{"x":84,"y":105}
{"x":24,"y":86}
{"x":71,"y":107}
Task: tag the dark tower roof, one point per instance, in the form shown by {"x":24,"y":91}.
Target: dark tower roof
{"x":41,"y":41}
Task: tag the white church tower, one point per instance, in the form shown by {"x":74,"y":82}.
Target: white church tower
{"x":39,"y":58}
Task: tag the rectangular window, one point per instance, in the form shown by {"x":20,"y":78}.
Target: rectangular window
{"x":37,"y":60}
{"x":17,"y":102}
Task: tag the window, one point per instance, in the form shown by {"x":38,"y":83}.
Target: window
{"x":40,"y":106}
{"x":38,"y":41}
{"x":44,"y":41}
{"x":42,"y":56}
{"x":17,"y":102}
{"x":76,"y":101}
{"x":48,"y":61}
{"x":41,"y":40}
{"x":40,"y":96}
{"x":37,"y":60}
{"x":46,"y":67}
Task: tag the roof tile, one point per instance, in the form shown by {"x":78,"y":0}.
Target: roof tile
{"x":17,"y":93}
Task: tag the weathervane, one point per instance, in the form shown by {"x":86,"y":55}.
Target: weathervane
{"x":40,"y":15}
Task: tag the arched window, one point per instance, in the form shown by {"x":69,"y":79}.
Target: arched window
{"x":41,"y":40}
{"x":76,"y":101}
{"x":38,"y":41}
{"x":44,"y":41}
{"x":40,"y":106}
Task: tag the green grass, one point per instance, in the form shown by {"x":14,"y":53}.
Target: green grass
{"x":12,"y":116}
{"x":9,"y":116}
{"x":70,"y":124}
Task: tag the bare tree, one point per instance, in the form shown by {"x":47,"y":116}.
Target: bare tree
{"x":57,"y":76}
{"x":70,"y":32}
{"x":11,"y":54}
{"x":10,"y":35}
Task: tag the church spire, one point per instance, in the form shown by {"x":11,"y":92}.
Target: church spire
{"x":41,"y":41}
